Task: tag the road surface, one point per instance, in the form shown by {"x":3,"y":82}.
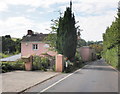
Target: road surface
{"x":11,"y":58}
{"x":97,"y":76}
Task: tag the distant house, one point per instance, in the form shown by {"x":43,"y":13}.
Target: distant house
{"x":32,"y":44}
{"x":87,"y":53}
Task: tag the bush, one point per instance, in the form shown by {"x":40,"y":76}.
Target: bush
{"x":77,"y":63}
{"x":78,"y":60}
{"x":36,"y":63}
{"x":10,"y":66}
{"x":6,"y":67}
{"x":70,"y":67}
{"x":111,"y":56}
{"x":40,"y":63}
{"x":2,"y":55}
{"x":18,"y":65}
{"x":77,"y":56}
{"x":53,"y":67}
{"x":98,"y":56}
{"x":45,"y":63}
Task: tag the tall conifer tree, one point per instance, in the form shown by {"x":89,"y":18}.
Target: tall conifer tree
{"x":67,"y":34}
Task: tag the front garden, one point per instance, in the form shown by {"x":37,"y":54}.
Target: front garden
{"x":11,"y":66}
{"x":43,"y":64}
{"x":39,"y":63}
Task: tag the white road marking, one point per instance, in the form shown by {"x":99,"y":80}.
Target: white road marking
{"x":60,"y":80}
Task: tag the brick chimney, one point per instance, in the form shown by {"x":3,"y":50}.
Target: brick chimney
{"x":30,"y":32}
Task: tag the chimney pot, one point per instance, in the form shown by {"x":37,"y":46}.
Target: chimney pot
{"x":30,"y":32}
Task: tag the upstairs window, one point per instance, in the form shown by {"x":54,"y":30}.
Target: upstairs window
{"x":35,"y":46}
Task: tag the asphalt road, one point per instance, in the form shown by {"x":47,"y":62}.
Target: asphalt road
{"x":12,"y":58}
{"x":97,"y":76}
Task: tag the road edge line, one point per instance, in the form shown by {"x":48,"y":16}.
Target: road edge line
{"x":113,"y":68}
{"x":61,"y":80}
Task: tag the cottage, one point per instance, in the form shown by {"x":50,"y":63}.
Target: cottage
{"x":87,"y":53}
{"x":32,"y":44}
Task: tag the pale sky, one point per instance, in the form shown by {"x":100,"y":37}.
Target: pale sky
{"x":94,"y":16}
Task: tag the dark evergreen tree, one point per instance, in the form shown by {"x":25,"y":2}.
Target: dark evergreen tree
{"x":67,"y":34}
{"x":9,"y":46}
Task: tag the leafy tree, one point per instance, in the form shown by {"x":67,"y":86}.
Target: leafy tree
{"x":81,"y":42}
{"x":67,"y":34}
{"x":7,"y":36}
{"x":98,"y":49}
{"x":18,"y":45}
{"x":94,"y":42}
{"x":111,"y":43}
{"x":9,"y":46}
{"x":90,"y":42}
{"x":52,"y":37}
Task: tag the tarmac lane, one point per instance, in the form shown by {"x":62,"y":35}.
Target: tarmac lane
{"x":97,"y":76}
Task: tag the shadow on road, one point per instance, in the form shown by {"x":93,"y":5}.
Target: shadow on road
{"x":99,"y":65}
{"x":99,"y":68}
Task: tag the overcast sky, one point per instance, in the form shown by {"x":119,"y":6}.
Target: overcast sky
{"x":17,"y":16}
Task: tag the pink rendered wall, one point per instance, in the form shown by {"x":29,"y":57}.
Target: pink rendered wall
{"x":27,"y":49}
{"x":84,"y":52}
{"x":59,"y":63}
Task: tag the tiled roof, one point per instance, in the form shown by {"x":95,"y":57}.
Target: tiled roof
{"x":34,"y":37}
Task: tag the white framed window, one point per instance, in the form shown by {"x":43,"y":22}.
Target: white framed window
{"x":35,"y":46}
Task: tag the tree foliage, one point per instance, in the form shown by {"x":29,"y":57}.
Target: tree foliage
{"x":111,"y":43}
{"x":52,"y":37}
{"x":81,"y":42}
{"x":10,"y":46}
{"x":98,"y":47}
{"x":67,"y":34}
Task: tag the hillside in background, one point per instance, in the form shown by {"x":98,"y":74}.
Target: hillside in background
{"x":15,"y":39}
{"x":10,"y":46}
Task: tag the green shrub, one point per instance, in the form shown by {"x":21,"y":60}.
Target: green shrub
{"x":52,"y":63}
{"x":18,"y":65}
{"x":45,"y":63}
{"x":10,"y":66}
{"x":77,"y":56}
{"x":53,"y":67}
{"x":78,"y":60}
{"x":70,"y":68}
{"x":111,"y":56}
{"x":2,"y":55}
{"x":37,"y":63}
{"x":40,"y":63}
{"x":6,"y":67}
{"x":77,"y":63}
